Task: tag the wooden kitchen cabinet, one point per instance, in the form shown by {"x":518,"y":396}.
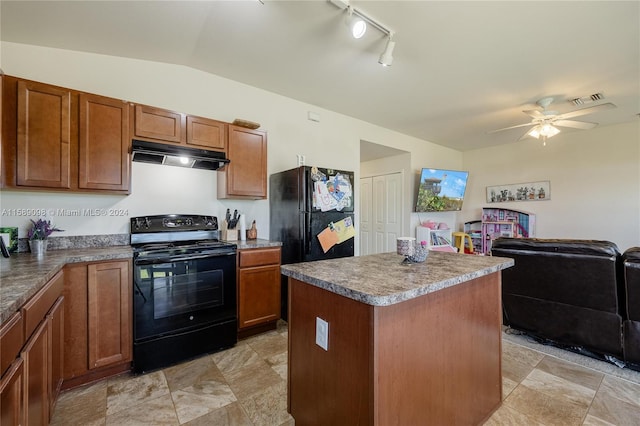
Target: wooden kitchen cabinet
{"x":44,"y":135}
{"x":206,"y":133}
{"x":54,"y":138}
{"x":12,"y":395}
{"x":35,"y":356}
{"x":159,"y":125}
{"x":246,"y":175}
{"x":30,"y":386}
{"x":258,"y":289}
{"x":98,"y":320}
{"x":103,"y":143}
{"x":12,"y":371}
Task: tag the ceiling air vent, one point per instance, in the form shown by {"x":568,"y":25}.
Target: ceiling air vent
{"x":587,"y":99}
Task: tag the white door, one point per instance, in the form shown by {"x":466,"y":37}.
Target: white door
{"x":365,"y":216}
{"x":381,"y":212}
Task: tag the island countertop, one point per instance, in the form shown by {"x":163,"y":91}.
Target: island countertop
{"x":381,"y":279}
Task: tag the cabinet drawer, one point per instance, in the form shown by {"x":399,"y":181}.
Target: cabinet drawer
{"x":259,"y":257}
{"x":37,"y":307}
{"x":11,"y":340}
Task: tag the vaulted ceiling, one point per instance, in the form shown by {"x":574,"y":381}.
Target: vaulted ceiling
{"x":460,"y":69}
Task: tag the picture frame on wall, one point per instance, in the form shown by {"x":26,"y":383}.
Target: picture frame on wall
{"x":527,"y":191}
{"x":10,"y":236}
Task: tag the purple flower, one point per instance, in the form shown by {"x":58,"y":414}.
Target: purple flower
{"x":41,"y":229}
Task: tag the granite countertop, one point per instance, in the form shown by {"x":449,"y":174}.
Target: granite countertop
{"x":259,"y":243}
{"x":23,"y":274}
{"x":381,"y":279}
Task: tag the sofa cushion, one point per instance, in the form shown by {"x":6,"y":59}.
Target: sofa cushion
{"x":631,"y":263}
{"x":580,"y":273}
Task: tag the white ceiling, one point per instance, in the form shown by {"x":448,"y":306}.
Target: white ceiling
{"x":460,"y":68}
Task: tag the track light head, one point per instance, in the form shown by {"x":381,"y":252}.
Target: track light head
{"x":357,"y":25}
{"x":386,"y":58}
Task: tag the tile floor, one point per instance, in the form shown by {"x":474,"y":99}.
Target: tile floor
{"x":246,"y":385}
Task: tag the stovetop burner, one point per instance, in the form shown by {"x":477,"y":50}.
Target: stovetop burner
{"x":162,"y":232}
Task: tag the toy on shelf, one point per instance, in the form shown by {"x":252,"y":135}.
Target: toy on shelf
{"x":498,"y":222}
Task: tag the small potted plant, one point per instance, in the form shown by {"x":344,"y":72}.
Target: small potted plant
{"x":38,"y":234}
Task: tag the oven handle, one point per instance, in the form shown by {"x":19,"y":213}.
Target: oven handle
{"x":169,"y":259}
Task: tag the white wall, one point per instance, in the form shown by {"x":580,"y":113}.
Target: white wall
{"x":333,"y":142}
{"x":595,"y":182}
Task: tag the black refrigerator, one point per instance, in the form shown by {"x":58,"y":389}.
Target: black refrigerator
{"x":304,"y":202}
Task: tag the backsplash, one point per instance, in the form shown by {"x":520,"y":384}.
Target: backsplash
{"x":79,"y":242}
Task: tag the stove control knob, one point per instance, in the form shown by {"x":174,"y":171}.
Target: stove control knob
{"x":137,"y":223}
{"x":147,"y":222}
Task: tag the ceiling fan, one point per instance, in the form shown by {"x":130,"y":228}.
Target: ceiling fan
{"x":543,"y":122}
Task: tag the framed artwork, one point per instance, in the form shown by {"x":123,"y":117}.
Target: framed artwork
{"x":10,"y":236}
{"x":528,"y":191}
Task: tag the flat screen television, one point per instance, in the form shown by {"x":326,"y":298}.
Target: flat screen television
{"x":441,"y":190}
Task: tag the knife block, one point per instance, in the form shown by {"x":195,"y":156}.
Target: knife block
{"x":229,"y":234}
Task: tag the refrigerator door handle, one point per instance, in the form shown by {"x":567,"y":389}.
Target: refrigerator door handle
{"x":307,"y":227}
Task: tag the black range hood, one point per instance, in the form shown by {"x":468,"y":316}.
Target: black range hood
{"x":174,"y":155}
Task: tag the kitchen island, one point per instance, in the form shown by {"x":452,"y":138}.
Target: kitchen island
{"x":405,"y":344}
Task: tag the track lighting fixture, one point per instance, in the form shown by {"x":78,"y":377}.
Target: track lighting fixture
{"x":358,"y":21}
{"x":357,"y":25}
{"x":386,"y":58}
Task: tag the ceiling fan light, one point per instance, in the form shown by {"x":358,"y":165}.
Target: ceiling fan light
{"x":545,"y":130}
{"x":548,"y":130}
{"x":535,"y":132}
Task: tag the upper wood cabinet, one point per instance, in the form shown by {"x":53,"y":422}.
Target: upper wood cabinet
{"x":206,"y":133}
{"x":44,"y":135}
{"x":246,"y":175}
{"x":159,"y":125}
{"x":60,"y":139}
{"x":103,"y":143}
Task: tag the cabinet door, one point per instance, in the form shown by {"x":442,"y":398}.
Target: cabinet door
{"x":55,"y":318}
{"x":103,"y":143}
{"x":109,"y":313}
{"x":36,"y":370}
{"x":159,"y":124}
{"x":258,"y":295}
{"x":75,"y":320}
{"x":44,"y":135}
{"x":206,"y":133}
{"x":11,"y":395}
{"x":246,"y":175}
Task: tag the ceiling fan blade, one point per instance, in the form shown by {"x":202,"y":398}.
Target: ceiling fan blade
{"x":508,"y":128}
{"x":583,"y":125}
{"x":534,"y":113}
{"x":585,"y":111}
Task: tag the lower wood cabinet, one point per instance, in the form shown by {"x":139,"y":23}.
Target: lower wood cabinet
{"x":31,"y":384}
{"x":12,"y":395}
{"x":98,"y":320}
{"x":258,"y":289}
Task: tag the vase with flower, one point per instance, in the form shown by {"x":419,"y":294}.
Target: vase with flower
{"x":38,"y":234}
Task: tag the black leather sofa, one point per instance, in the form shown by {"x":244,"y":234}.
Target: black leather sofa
{"x":570,"y":293}
{"x":631,"y":339}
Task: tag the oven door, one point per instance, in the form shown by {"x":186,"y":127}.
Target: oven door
{"x":175,"y":294}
